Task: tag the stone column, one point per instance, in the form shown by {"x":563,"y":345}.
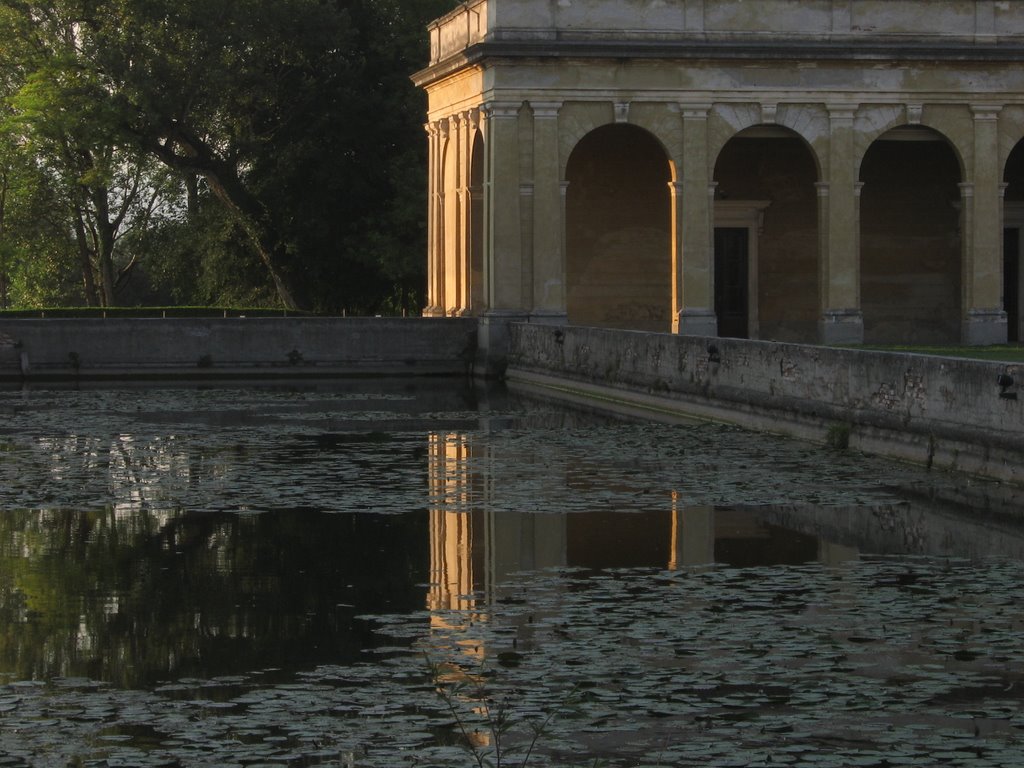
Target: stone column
{"x":464,"y":244}
{"x":503,"y":257}
{"x":693,"y":269}
{"x":842,"y":321}
{"x":504,"y":252}
{"x":435,"y":250}
{"x":548,"y":221}
{"x":984,"y":321}
{"x":451,"y":218}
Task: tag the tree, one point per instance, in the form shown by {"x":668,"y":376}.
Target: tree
{"x":296,"y":115}
{"x":104,"y":185}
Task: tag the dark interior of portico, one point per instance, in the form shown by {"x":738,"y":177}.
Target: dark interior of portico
{"x":618,"y":231}
{"x":910,"y":211}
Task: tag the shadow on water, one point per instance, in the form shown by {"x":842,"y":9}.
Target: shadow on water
{"x":276,"y":563}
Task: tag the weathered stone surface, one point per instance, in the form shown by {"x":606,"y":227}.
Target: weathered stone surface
{"x":939,"y":411}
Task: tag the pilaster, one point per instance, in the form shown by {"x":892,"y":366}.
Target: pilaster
{"x":452,"y":219}
{"x":984,"y":321}
{"x":435,"y":267}
{"x":464,"y":244}
{"x":549,"y":297}
{"x":693,"y":292}
{"x":841,"y":320}
{"x":503,"y":252}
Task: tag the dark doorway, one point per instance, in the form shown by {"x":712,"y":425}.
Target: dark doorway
{"x":1011,"y":282}
{"x":731,"y":281}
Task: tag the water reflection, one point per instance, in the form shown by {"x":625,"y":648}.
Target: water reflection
{"x":474,"y":549}
{"x":137,"y":599}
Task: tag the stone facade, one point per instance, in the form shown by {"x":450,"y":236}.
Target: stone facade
{"x":800,"y":170}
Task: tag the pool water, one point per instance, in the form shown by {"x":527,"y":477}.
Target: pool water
{"x":385,"y":573}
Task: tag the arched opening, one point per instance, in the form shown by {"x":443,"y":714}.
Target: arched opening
{"x":910,"y":252}
{"x":766,"y":237}
{"x":1013,"y":243}
{"x":618,"y":231}
{"x":477,"y":303}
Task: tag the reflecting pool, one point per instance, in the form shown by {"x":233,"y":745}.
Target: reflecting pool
{"x":386,"y":573}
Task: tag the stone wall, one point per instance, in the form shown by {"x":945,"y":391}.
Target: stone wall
{"x":941,"y":412}
{"x":257,"y":347}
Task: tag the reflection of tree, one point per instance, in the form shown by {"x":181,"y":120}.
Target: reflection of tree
{"x":137,"y":598}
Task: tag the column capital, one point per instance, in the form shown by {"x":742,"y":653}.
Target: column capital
{"x":545,"y":110}
{"x":841,"y":113}
{"x":983,"y":112}
{"x":822,"y":188}
{"x":498,"y":110}
{"x":694,"y":111}
{"x":966,"y":190}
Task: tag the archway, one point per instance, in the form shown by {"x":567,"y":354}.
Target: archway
{"x":618,"y":231}
{"x":766,"y":236}
{"x":910,"y":251}
{"x":1013,"y":243}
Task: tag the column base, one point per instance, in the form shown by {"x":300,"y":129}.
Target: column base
{"x":492,"y":341}
{"x":982,"y":327}
{"x":841,"y":326}
{"x":433,"y":311}
{"x":695,"y":322}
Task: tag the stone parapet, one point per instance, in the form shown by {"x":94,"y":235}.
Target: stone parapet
{"x":943,"y":412}
{"x":122,"y":348}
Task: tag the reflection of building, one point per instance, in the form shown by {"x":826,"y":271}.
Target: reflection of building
{"x":833,"y":170}
{"x":474,"y":549}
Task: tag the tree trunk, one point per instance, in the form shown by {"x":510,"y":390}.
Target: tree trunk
{"x":105,"y":231}
{"x":200,"y":160}
{"x":85,"y":260}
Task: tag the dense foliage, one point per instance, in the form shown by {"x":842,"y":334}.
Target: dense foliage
{"x":261,"y":152}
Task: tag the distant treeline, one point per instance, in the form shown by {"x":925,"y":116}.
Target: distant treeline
{"x":263,"y":153}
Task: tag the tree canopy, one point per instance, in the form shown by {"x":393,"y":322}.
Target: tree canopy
{"x":188,"y":151}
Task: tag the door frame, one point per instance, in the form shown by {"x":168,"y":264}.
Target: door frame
{"x":749,"y":215}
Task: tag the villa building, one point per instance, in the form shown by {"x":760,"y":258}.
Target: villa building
{"x":834,"y":171}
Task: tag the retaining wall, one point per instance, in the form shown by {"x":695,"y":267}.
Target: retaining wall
{"x":237,"y":347}
{"x":942,"y":412}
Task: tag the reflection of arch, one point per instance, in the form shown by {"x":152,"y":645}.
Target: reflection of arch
{"x":910,"y":238}
{"x":766,"y":236}
{"x":618,"y":230}
{"x":1013,"y":242}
